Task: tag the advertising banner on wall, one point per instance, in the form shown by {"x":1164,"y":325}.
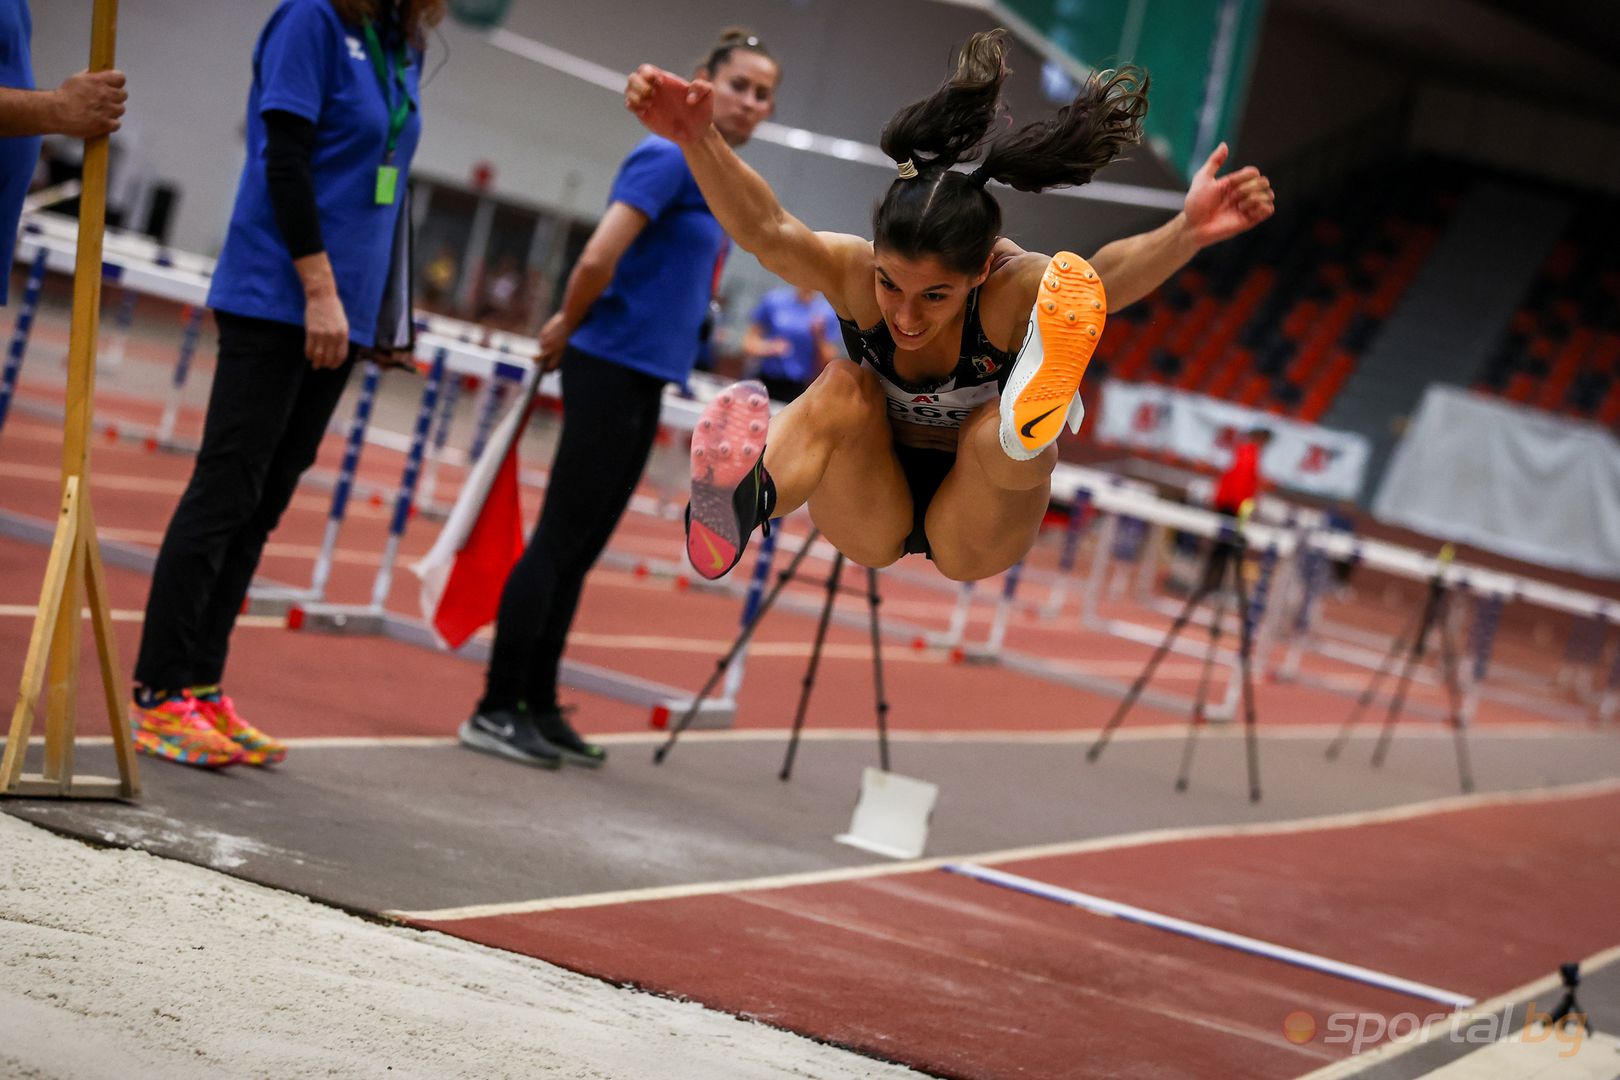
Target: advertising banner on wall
{"x":1304,"y":457}
{"x":1509,"y":478}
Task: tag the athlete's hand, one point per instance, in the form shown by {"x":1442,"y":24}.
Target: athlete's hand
{"x":553,"y":340}
{"x":1218,"y":208}
{"x":668,"y":105}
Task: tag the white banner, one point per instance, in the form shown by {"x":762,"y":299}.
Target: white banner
{"x":1301,"y":456}
{"x":1512,"y":479}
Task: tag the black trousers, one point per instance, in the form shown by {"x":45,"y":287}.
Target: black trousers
{"x":610,"y":416}
{"x":267,"y":411}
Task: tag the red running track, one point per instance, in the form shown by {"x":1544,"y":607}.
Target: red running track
{"x":966,"y":979}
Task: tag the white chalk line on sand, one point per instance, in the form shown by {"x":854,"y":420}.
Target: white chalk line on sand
{"x":1353,"y":819}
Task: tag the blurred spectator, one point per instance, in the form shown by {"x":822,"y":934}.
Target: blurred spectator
{"x":790,"y":339}
{"x":1242,"y":480}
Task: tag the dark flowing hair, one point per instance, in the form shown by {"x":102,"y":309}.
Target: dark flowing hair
{"x":947,"y":213}
{"x":731,"y":39}
{"x":416,"y":17}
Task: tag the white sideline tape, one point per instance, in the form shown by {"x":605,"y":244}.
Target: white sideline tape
{"x":1254,"y":946}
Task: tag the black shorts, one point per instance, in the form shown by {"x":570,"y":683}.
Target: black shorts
{"x":925,"y":470}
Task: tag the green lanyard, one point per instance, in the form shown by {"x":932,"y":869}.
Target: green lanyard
{"x":398,"y":112}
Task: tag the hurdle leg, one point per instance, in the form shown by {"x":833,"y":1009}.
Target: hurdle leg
{"x":1072,"y":531}
{"x":1448,"y":666}
{"x":345,"y":483}
{"x":21,"y":332}
{"x":451,"y":393}
{"x":1091,"y":600}
{"x":182,"y":374}
{"x":405,"y":499}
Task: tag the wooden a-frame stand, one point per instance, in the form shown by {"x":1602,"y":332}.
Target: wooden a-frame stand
{"x":74,"y":573}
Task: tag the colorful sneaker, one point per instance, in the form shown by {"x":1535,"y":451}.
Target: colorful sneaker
{"x":1064,"y":329}
{"x":731,"y":492}
{"x":257,"y":747}
{"x":174,"y":730}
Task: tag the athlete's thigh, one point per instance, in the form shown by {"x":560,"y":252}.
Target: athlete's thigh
{"x":976,"y":528}
{"x":863,"y":504}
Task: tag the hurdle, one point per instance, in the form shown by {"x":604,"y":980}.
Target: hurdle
{"x":135,"y":269}
{"x":182,"y":374}
{"x":307,"y":608}
{"x":136,"y":265}
{"x":989,"y":650}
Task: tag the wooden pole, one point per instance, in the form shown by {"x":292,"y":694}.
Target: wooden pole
{"x":74,"y":572}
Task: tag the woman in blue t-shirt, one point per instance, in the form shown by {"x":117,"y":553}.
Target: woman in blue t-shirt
{"x":332,"y":124}
{"x":629,"y":323}
{"x":790,"y":339}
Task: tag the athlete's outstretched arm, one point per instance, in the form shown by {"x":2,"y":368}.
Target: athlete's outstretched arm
{"x":739,"y":197}
{"x":1216,"y":209}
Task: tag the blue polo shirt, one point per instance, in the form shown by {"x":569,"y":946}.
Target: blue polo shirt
{"x":18,"y":156}
{"x":307,"y":62}
{"x":782,"y":316}
{"x":649,"y":316}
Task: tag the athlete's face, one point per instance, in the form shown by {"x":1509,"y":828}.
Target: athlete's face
{"x":920,"y":297}
{"x":744,"y":94}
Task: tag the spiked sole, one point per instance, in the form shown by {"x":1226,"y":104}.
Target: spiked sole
{"x":727,"y":443}
{"x":1067,"y":323}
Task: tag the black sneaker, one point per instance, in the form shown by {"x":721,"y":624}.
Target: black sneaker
{"x":509,"y":733}
{"x":732,"y":494}
{"x":554,"y":727}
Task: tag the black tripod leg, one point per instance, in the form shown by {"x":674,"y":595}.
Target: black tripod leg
{"x":1396,"y":648}
{"x":872,"y":602}
{"x":1197,"y":721}
{"x":1251,"y":738}
{"x":1147,"y":673}
{"x":731,"y":654}
{"x":1413,"y":659}
{"x":815,"y":662}
{"x":1459,"y":735}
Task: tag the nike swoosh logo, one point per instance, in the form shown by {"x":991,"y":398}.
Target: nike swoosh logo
{"x":505,"y":731}
{"x":714,"y":552}
{"x":1027,"y":431}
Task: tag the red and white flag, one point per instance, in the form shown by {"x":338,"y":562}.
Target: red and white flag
{"x":464,"y":573}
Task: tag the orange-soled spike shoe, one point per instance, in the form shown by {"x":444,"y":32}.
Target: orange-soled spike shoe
{"x":1064,"y":328}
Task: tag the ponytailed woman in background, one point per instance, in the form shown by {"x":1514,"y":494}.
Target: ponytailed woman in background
{"x":629,"y":324}
{"x":966,"y":353}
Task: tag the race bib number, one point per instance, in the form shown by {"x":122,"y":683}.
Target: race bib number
{"x":949,"y":409}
